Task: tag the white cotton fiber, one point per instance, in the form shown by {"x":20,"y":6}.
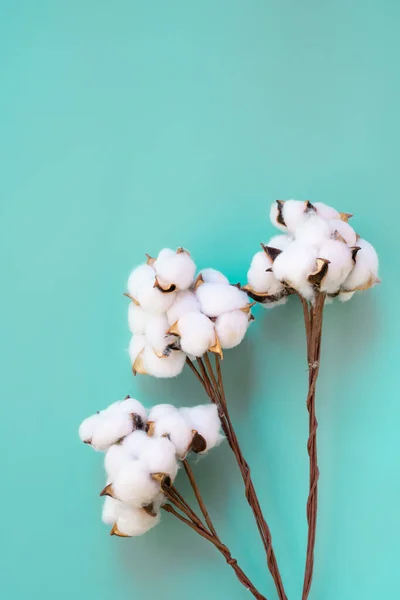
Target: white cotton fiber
{"x":295,"y":214}
{"x":133,"y":407}
{"x":260,"y":279}
{"x":152,"y":299}
{"x":168,"y":366}
{"x":314,"y":231}
{"x":135,"y":444}
{"x":280,"y":302}
{"x":185,"y":302}
{"x":205,"y":420}
{"x":231,"y":328}
{"x":197,"y":333}
{"x":133,"y":522}
{"x":115,"y":457}
{"x":111,"y":428}
{"x":175,"y":269}
{"x":134,"y":485}
{"x":326,"y":212}
{"x":213,"y":276}
{"x":110,"y":510}
{"x":217,"y":298}
{"x":345,"y":230}
{"x":88,"y":428}
{"x":138,"y":277}
{"x":160,"y":457}
{"x":365,"y":270}
{"x":161,"y":410}
{"x":280,"y":241}
{"x":178,"y":429}
{"x":294,"y":265}
{"x":156,"y":333}
{"x":136,"y":345}
{"x":341,"y":263}
{"x":137,"y":318}
{"x":274,"y":216}
{"x":345,"y":296}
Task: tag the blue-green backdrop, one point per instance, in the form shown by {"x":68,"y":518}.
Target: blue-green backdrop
{"x":130,"y":125}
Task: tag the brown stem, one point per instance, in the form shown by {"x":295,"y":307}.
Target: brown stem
{"x":244,"y":580}
{"x":213,"y":385}
{"x":313,"y":324}
{"x":199,"y":498}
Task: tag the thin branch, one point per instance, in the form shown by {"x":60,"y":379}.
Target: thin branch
{"x":199,"y":498}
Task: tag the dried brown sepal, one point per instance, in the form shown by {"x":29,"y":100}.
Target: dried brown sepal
{"x":345,"y":216}
{"x":137,"y":366}
{"x":174,"y":329}
{"x":127,"y":397}
{"x":199,"y":281}
{"x":217,"y":348}
{"x":131,"y":298}
{"x":149,"y":509}
{"x":246,"y":309}
{"x":198,"y":443}
{"x":310,"y":207}
{"x":108,"y":491}
{"x":338,"y":237}
{"x":317,"y":277}
{"x":266,"y":297}
{"x":115,"y":531}
{"x":279,"y":218}
{"x":150,"y":427}
{"x":182,"y":250}
{"x":137,"y":421}
{"x":88,"y":442}
{"x":271,"y":252}
{"x":163,"y":479}
{"x":150,"y":260}
{"x":354,"y":251}
{"x":372,"y":281}
{"x":251,"y":317}
{"x":167,"y":290}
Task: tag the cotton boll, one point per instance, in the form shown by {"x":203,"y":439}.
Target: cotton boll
{"x":161,"y":410}
{"x":197,"y":333}
{"x":160,"y":457}
{"x":110,"y":510}
{"x":345,"y":296}
{"x":295,"y":213}
{"x":213,"y":276}
{"x":260,"y":279}
{"x":178,"y":430}
{"x":314,"y":231}
{"x":88,"y":427}
{"x":134,"y":485}
{"x":165,"y":254}
{"x":185,"y":302}
{"x":110,"y":429}
{"x":135,"y":444}
{"x":156,"y":333}
{"x":326,"y":212}
{"x":280,"y":241}
{"x":365,"y":271}
{"x":205,"y":420}
{"x":152,"y":299}
{"x":133,"y":407}
{"x":217,"y":298}
{"x":139,"y":277}
{"x":168,"y":366}
{"x":274,"y":215}
{"x":132,"y":522}
{"x":115,"y":457}
{"x":294,"y":265}
{"x":176,"y":269}
{"x":231,"y":328}
{"x":137,"y":318}
{"x":345,"y":230}
{"x":136,"y":345}
{"x":280,"y":302}
{"x":341,"y":263}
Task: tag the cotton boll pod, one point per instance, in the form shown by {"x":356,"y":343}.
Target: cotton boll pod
{"x":205,"y":420}
{"x":175,"y":269}
{"x":280,"y":241}
{"x":178,"y":430}
{"x":276,"y":215}
{"x":137,"y":318}
{"x":345,"y":296}
{"x":153,"y":299}
{"x":314,"y":231}
{"x":345,"y":230}
{"x":139,"y":277}
{"x":213,"y":276}
{"x":88,"y":427}
{"x":160,"y":411}
{"x":132,"y":522}
{"x":136,"y":346}
{"x":260,"y":278}
{"x":340,"y":264}
{"x":110,"y":510}
{"x":135,"y":444}
{"x":295,"y":213}
{"x":115,"y":457}
{"x":231,"y":328}
{"x":326,"y":212}
{"x":217,"y":298}
{"x":274,"y":303}
{"x":148,"y":363}
{"x":134,"y":407}
{"x":111,"y":429}
{"x":156,"y":333}
{"x":294,"y":265}
{"x":197,"y":333}
{"x":365,"y":272}
{"x":185,"y":302}
{"x":160,"y":457}
{"x":132,"y":484}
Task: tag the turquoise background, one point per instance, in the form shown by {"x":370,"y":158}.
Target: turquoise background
{"x":133,"y":125}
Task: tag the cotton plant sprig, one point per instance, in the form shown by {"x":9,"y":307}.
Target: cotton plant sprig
{"x":143,"y":453}
{"x":319,"y":257}
{"x":178,"y":318}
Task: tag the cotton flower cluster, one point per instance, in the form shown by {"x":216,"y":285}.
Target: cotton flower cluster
{"x":318,"y":251}
{"x":174,"y":314}
{"x":142,"y":453}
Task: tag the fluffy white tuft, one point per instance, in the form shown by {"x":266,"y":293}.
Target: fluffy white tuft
{"x":139,"y":277}
{"x":273,"y":215}
{"x":161,"y":410}
{"x":177,"y":429}
{"x":136,"y":345}
{"x":135,"y":444}
{"x":168,"y":366}
{"x":345,"y":230}
{"x":280,"y":241}
{"x":115,"y":457}
{"x":135,"y":521}
{"x":217,"y":298}
{"x":133,"y":407}
{"x":185,"y":302}
{"x":153,"y":300}
{"x":134,"y":485}
{"x":110,"y":510}
{"x":326,"y":212}
{"x":259,"y":278}
{"x":160,"y":457}
{"x":111,"y":428}
{"x":197,"y":333}
{"x":231,"y":328}
{"x":313,"y":232}
{"x":345,"y":296}
{"x":213,"y":276}
{"x":280,"y":302}
{"x":88,"y":427}
{"x":366,"y":267}
{"x":341,"y":263}
{"x":176,"y":268}
{"x":156,"y":333}
{"x":295,"y":214}
{"x":137,"y":318}
{"x":294,"y":265}
{"x":205,"y":420}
